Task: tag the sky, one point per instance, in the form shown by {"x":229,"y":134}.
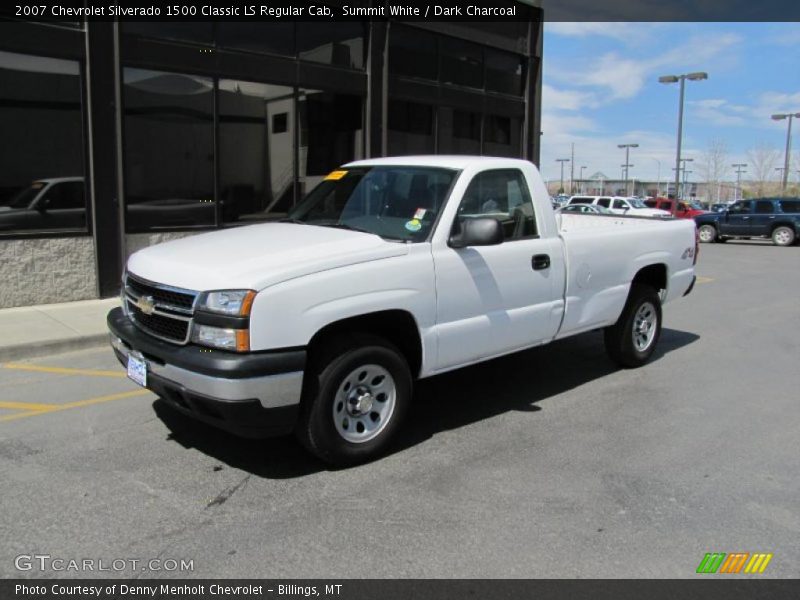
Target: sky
{"x":600,"y":89}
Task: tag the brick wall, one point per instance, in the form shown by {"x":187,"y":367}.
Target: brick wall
{"x":46,"y":271}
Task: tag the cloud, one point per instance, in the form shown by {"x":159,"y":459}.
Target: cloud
{"x":562,"y":99}
{"x":720,"y":112}
{"x":623,"y":31}
{"x":621,"y":77}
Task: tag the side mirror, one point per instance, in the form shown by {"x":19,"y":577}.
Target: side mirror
{"x":481,"y":231}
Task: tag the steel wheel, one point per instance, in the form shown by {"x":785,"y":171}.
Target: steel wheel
{"x":364,"y":403}
{"x":783,"y":236}
{"x":707,"y":233}
{"x":645,"y":323}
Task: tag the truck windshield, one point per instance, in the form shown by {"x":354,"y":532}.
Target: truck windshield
{"x":636,"y":203}
{"x":394,"y":202}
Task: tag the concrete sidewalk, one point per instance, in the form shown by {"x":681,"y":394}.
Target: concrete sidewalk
{"x":29,"y":331}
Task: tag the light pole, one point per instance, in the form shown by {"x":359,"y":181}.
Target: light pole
{"x":562,"y":161}
{"x":740,"y":168}
{"x":781,"y":117}
{"x":685,"y":179}
{"x":627,"y":164}
{"x":658,"y":183}
{"x":698,"y":76}
{"x":581,"y":177}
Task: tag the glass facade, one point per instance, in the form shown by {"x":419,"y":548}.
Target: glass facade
{"x":230,"y":122}
{"x":169,"y":150}
{"x":256,"y":149}
{"x":42,"y":154}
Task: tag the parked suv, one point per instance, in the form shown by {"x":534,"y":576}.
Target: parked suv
{"x":620,"y":205}
{"x":686,"y":210}
{"x":776,"y":218}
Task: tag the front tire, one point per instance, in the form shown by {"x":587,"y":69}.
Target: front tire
{"x":783,"y":236}
{"x":358,"y":391}
{"x":707,"y":233}
{"x":631,"y":341}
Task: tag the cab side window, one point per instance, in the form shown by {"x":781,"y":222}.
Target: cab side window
{"x":620,"y":204}
{"x":740,"y":208}
{"x":502,"y":194}
{"x":604,"y":202}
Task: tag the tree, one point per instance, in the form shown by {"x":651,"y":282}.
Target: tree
{"x":713,"y":166}
{"x":762,"y":160}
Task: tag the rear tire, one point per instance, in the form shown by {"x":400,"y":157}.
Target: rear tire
{"x":707,"y":234}
{"x":783,"y":236}
{"x":631,"y":341}
{"x":356,"y":395}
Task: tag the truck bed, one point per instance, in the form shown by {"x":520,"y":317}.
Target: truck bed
{"x":604,"y":252}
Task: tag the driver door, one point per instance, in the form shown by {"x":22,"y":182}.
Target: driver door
{"x":496,"y":299}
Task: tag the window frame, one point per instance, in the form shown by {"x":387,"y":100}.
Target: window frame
{"x":525,"y":188}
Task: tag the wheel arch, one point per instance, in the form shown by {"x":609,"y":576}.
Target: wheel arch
{"x":396,"y":326}
{"x":653,"y":275}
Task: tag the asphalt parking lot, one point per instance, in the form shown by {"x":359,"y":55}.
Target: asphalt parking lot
{"x":549,"y":463}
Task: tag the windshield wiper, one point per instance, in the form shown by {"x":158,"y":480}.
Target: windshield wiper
{"x":345,"y":226}
{"x":360,"y":230}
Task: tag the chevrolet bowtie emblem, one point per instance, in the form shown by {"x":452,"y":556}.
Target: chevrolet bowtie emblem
{"x":146,"y":304}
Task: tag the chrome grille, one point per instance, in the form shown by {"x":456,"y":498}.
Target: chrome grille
{"x":161,"y":311}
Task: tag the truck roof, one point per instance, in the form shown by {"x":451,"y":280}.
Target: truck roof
{"x":441,"y":160}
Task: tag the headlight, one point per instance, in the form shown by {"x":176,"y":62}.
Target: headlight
{"x":235,"y":340}
{"x":235,"y":303}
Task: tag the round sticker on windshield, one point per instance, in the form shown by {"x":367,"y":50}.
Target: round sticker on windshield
{"x":413,"y":225}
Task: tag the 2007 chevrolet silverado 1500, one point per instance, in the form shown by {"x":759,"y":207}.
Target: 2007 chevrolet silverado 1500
{"x":391,"y":270}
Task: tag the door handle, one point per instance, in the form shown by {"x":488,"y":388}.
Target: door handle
{"x":745,"y":218}
{"x":540,"y":261}
{"x":772,"y":217}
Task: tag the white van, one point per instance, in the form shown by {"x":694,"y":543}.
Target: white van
{"x":620,"y":205}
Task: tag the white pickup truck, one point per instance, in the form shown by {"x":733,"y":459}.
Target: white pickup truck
{"x":391,"y":270}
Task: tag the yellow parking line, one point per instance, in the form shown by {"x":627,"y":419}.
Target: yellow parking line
{"x":65,"y":371}
{"x":27,"y":406}
{"x":704,"y":279}
{"x":59,"y":407}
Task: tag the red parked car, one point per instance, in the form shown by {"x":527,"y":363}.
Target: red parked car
{"x":686,"y":210}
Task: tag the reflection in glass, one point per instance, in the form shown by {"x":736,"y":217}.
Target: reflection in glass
{"x":331,"y":134}
{"x":462,"y":63}
{"x":504,"y":72}
{"x":257,"y":36}
{"x":256,"y":157}
{"x":169,"y":150}
{"x":412,"y":52}
{"x":41,"y":155}
{"x":410,"y":128}
{"x":459,"y":131}
{"x":340,"y":44}
{"x":199,"y":32}
{"x":502,"y":136}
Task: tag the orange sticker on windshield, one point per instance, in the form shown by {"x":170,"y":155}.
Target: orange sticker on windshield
{"x":336,"y":175}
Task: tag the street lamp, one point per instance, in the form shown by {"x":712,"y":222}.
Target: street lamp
{"x":698,"y":76}
{"x":740,"y":168}
{"x":562,"y":161}
{"x":581,"y":177}
{"x":658,"y":183}
{"x":781,"y":117}
{"x":680,"y":191}
{"x":627,"y":161}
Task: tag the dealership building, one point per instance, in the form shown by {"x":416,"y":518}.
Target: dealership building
{"x":117,"y":135}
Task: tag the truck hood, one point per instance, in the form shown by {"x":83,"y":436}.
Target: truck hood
{"x":257,"y":256}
